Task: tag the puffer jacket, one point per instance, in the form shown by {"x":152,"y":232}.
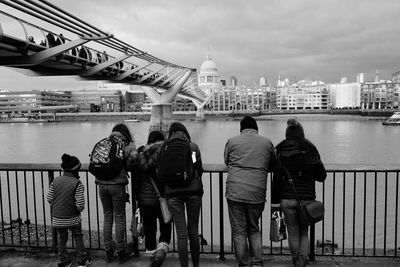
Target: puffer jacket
{"x":129,"y":151}
{"x":304,"y":181}
{"x":147,"y":165}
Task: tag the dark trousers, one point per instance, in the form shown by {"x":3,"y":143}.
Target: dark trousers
{"x":190,"y":230}
{"x":150,"y":215}
{"x":244,"y":219}
{"x":113,"y":200}
{"x":76,"y":231}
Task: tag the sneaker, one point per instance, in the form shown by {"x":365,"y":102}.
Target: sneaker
{"x":150,"y":252}
{"x":158,"y":258}
{"x":67,"y":263}
{"x":124,"y":255}
{"x":85,"y":262}
{"x":110,"y":253}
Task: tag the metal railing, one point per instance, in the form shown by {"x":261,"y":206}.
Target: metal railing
{"x":361,"y":212}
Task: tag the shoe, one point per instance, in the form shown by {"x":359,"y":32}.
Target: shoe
{"x":160,"y":254}
{"x":85,"y":262}
{"x":67,"y":263}
{"x":124,"y":255}
{"x":110,"y":253}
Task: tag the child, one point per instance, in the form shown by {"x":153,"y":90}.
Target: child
{"x":66,"y":198}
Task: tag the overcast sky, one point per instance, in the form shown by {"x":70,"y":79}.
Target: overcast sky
{"x":321,"y":39}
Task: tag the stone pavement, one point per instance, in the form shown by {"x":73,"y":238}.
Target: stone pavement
{"x":12,"y":258}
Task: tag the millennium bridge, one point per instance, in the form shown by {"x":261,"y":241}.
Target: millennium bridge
{"x":88,"y":53}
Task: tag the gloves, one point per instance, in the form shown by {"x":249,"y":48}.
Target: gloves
{"x":275,"y":207}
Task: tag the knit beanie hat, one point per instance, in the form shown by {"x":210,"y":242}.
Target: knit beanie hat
{"x":70,"y":163}
{"x":123,"y":129}
{"x":248,"y":123}
{"x":155,"y":136}
{"x":294,"y":129}
{"x":176,"y":127}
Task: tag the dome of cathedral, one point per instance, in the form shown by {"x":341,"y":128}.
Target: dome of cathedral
{"x":209,"y":65}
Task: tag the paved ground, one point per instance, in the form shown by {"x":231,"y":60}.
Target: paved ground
{"x":12,"y":258}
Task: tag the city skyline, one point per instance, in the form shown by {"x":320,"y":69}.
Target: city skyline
{"x":322,"y":40}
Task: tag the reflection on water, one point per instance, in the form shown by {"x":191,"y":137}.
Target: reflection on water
{"x":340,"y":140}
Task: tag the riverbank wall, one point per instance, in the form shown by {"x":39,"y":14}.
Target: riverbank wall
{"x":191,"y":115}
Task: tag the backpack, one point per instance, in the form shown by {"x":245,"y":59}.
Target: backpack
{"x":175,"y":166}
{"x":107,"y":158}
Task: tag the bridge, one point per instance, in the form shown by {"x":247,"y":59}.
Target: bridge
{"x":74,"y":47}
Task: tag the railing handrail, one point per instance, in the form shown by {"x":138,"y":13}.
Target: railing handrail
{"x":206,"y":167}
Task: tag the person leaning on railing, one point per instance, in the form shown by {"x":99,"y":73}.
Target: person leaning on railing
{"x":298,"y":158}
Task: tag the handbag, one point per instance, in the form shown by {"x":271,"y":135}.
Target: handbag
{"x":277,"y":227}
{"x":309,"y":213}
{"x":163,"y":203}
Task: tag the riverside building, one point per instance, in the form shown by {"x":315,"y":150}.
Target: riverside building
{"x":380,"y":95}
{"x":345,"y":95}
{"x":303,"y":94}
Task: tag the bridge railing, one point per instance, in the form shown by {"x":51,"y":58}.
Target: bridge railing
{"x":361,"y":212}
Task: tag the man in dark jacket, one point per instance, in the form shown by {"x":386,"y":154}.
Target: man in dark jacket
{"x":248,"y":156}
{"x":299,"y":158}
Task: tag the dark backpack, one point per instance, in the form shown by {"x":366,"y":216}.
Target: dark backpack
{"x":175,"y":166}
{"x":107,"y":158}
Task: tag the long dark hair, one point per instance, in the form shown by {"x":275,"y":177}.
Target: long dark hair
{"x":124,"y":130}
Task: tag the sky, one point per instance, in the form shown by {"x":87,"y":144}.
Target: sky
{"x":318,"y":39}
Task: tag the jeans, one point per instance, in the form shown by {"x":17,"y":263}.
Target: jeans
{"x":176,"y":206}
{"x":62,"y":243}
{"x":299,"y":244}
{"x":113,"y":200}
{"x":244,"y":219}
{"x":150,"y":216}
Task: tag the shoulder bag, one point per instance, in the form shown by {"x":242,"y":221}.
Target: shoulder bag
{"x":163,"y":203}
{"x":309,"y":213}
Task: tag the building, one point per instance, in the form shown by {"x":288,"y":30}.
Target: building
{"x":380,"y":95}
{"x":31,"y":101}
{"x":396,"y":77}
{"x":302,"y":95}
{"x":96,"y":100}
{"x":241,"y":98}
{"x":209,"y":79}
{"x":345,"y":95}
{"x":233,"y":81}
{"x":263,"y":81}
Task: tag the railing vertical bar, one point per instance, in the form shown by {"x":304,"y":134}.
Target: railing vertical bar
{"x":54,"y":235}
{"x":28,"y":225}
{"x":354,"y":211}
{"x":97,"y":214}
{"x":396,"y":213}
{"x":88,"y":208}
{"x":221,"y":217}
{"x":18,"y":209}
{"x":385,"y":216}
{"x":375,"y":200}
{"x":333,"y":211}
{"x":323,"y":221}
{"x":2,"y":215}
{"x":201,"y":225}
{"x":34,"y":207}
{"x":344,"y":212}
{"x":9,"y":208}
{"x":365,"y":211}
{"x":44,"y":209}
{"x":211,"y":213}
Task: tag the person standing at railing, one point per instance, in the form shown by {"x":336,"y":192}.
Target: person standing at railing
{"x":184,"y":198}
{"x":113,"y":196}
{"x":144,"y":170}
{"x":292,"y":157}
{"x":248,"y":156}
{"x":66,"y":198}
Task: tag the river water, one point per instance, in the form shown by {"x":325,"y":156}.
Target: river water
{"x":345,"y":141}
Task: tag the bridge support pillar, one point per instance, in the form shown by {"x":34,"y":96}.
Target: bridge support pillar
{"x":161,"y":112}
{"x":200,"y":116}
{"x":161,"y":118}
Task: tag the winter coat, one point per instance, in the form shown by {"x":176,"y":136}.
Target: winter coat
{"x":249,"y":156}
{"x":303,"y":174}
